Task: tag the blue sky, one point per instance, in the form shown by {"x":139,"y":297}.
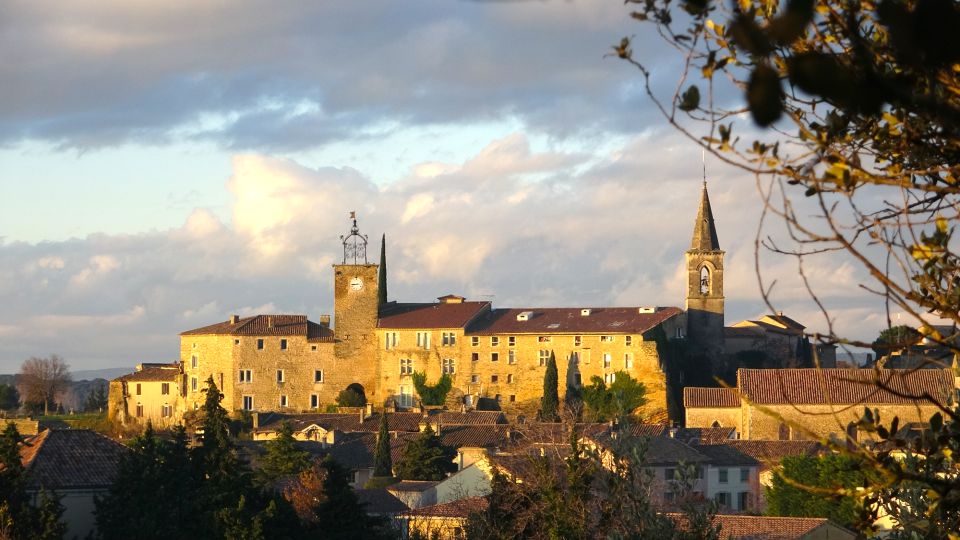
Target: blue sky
{"x":164,"y":165}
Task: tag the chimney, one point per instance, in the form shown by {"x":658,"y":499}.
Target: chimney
{"x":325,"y":321}
{"x":270,"y":321}
{"x":369,"y":410}
{"x":234,"y":319}
{"x":255,"y":419}
{"x":585,"y":312}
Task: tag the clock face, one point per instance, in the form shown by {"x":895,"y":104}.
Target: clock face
{"x":356,"y":284}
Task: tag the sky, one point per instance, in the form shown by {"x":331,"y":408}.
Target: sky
{"x":164,"y":165}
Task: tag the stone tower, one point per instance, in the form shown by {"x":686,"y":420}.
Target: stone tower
{"x":356,"y":308}
{"x":705,"y":283}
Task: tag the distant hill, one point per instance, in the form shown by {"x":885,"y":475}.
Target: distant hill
{"x":107,"y":373}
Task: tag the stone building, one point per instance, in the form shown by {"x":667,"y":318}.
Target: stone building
{"x":796,"y":404}
{"x":781,"y":341}
{"x":154,"y":392}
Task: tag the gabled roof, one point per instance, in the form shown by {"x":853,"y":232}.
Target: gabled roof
{"x":71,"y":459}
{"x":742,"y":527}
{"x":355,"y":450}
{"x":415,"y":486}
{"x":268,"y":325}
{"x":379,"y":502}
{"x":605,"y":320}
{"x":783,"y":321}
{"x":430,"y":315}
{"x":710,"y":398}
{"x":843,"y":386}
{"x":471,"y":418}
{"x":460,"y":508}
{"x":484,"y":436}
{"x":153,"y":373}
{"x":704,"y":229}
{"x":346,"y":422}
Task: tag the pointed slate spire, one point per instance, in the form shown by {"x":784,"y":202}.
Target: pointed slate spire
{"x":704,"y":230}
{"x":382,"y":276}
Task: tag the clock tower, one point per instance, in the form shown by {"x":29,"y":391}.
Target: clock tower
{"x":355,"y":311}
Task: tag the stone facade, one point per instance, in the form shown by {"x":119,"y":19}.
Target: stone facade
{"x":705,"y":300}
{"x":356,"y":308}
{"x":154,"y":393}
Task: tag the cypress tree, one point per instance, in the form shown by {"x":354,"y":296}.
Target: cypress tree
{"x":283,"y":457}
{"x":382,"y":275}
{"x":550,"y":401}
{"x":382,"y":464}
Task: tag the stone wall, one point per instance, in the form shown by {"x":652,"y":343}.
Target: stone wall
{"x":822,"y":420}
{"x":355,"y":318}
{"x":706,"y":416}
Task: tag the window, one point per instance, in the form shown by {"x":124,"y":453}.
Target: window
{"x":744,"y":500}
{"x":259,"y":344}
{"x":494,"y":357}
{"x":722,"y":475}
{"x":609,"y":378}
{"x":193,"y":361}
{"x":475,"y":357}
{"x":494,"y":378}
{"x":475,"y":341}
{"x":510,"y":378}
{"x":494,"y":341}
{"x":313,"y":348}
{"x":448,"y":366}
{"x":669,"y":474}
{"x":511,"y":356}
{"x":628,"y":341}
{"x":423,"y":340}
{"x":279,"y":375}
{"x":628,"y":360}
{"x":283,"y":401}
{"x":577,"y":341}
{"x":744,"y":475}
{"x":246,"y":375}
{"x":390,"y":340}
{"x":406,"y":366}
{"x":193,"y":384}
{"x":544,"y":356}
{"x":513,"y":398}
{"x":314,"y":401}
{"x":577,"y":380}
{"x":544,"y":339}
{"x":474,"y":379}
{"x":248,"y":403}
{"x":606,"y":339}
{"x":138,"y":389}
{"x":607,"y":358}
{"x":318,"y":375}
{"x":512,"y":341}
{"x":139,"y":410}
{"x":236,"y":342}
{"x":283,"y":344}
{"x":449,"y":339}
{"x":723,"y":499}
{"x":405,"y":398}
{"x":166,"y":411}
{"x":165,"y":388}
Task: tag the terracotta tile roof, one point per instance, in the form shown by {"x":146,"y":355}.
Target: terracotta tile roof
{"x":472,"y":418}
{"x":401,"y":421}
{"x":460,"y":508}
{"x":648,"y":430}
{"x":696,"y":397}
{"x":725,"y":455}
{"x":418,"y":486}
{"x":771,"y":453}
{"x":166,"y":373}
{"x":71,"y":459}
{"x":742,"y":527}
{"x":268,"y":325}
{"x":432,"y":315}
{"x":607,"y":320}
{"x":379,"y":502}
{"x":475,"y":436}
{"x":842,"y":386}
{"x":659,"y":450}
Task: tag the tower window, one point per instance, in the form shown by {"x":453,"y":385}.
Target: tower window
{"x":704,"y":280}
{"x":314,"y":401}
{"x":279,"y":375}
{"x":318,"y":376}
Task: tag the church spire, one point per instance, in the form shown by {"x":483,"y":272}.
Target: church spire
{"x":382,"y":278}
{"x":704,"y":230}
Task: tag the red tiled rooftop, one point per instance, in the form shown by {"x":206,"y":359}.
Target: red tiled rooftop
{"x":742,"y":527}
{"x":70,"y":459}
{"x":460,"y":508}
{"x":432,"y":315}
{"x":843,"y":386}
{"x":268,"y":325}
{"x":697,"y":397}
{"x":153,"y":373}
{"x":605,"y":320}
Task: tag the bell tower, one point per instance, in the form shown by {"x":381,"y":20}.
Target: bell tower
{"x":705,"y":283}
{"x":355,"y":309}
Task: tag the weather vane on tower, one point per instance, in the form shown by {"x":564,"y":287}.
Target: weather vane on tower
{"x":354,"y":244}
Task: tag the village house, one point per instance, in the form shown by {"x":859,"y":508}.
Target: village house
{"x":153,"y":393}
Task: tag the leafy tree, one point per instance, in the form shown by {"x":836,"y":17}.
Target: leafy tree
{"x":550,"y":402}
{"x":325,"y":502}
{"x":893,"y":339}
{"x":431,"y":395}
{"x":426,"y":458}
{"x":43,"y":380}
{"x":283,"y":456}
{"x":807,"y":486}
{"x":624,"y":395}
{"x":382,"y":462}
{"x":9,"y":397}
{"x":350,"y":397}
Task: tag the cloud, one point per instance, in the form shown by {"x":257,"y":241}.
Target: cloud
{"x":522,"y":227}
